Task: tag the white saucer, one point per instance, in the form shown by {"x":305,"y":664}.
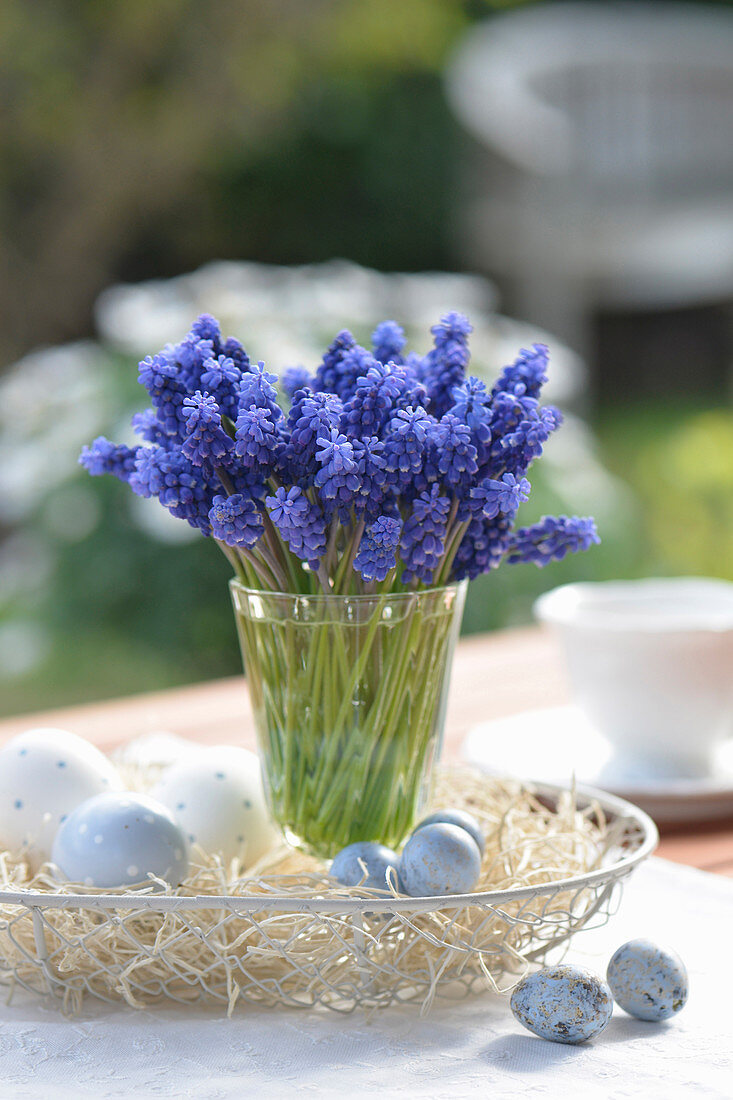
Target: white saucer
{"x":555,"y":744}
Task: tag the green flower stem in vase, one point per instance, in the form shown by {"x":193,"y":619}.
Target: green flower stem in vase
{"x":349,"y":697}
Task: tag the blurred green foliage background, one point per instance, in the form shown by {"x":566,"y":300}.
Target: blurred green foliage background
{"x":142,"y":139}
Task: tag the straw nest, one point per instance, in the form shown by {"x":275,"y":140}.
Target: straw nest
{"x":267,"y":956}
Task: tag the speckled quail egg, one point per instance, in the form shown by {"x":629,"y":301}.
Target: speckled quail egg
{"x":440,"y":859}
{"x":648,"y":981}
{"x":378,"y":859}
{"x":117,"y":839}
{"x":217,"y":797}
{"x":44,"y":774}
{"x":565,"y":1004}
{"x":457,"y":817}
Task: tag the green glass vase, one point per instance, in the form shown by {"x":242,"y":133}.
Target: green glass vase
{"x":349,"y":696}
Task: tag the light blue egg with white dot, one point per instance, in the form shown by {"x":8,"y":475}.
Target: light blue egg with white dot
{"x":462,"y":818}
{"x":377,"y":860}
{"x":440,"y":859}
{"x":117,"y":839}
{"x":648,"y":981}
{"x":564,"y":1004}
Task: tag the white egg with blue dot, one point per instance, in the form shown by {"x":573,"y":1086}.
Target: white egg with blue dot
{"x":366,"y":863}
{"x":217,"y":797}
{"x":462,"y":818}
{"x":44,"y":774}
{"x":648,"y":981}
{"x":440,"y":859}
{"x":116,"y":840}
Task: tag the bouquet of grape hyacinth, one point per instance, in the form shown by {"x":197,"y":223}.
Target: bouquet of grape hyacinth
{"x":384,"y":474}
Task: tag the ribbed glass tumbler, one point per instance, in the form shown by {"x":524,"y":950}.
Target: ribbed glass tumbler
{"x":349,"y":696}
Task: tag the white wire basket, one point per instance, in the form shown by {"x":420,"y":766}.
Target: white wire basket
{"x":279,"y":947}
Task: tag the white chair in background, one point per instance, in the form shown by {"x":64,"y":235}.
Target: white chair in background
{"x":606,"y":179}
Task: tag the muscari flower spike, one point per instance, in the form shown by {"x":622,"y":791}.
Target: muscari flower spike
{"x":453,"y":453}
{"x":406,"y":439}
{"x":377,"y":553}
{"x":160,"y":377}
{"x":301,"y":524}
{"x":376,"y":395}
{"x":256,"y":438}
{"x":296,"y":378}
{"x":519,"y":429}
{"x":471,"y":404}
{"x":331,"y":375}
{"x":313,"y":415}
{"x":206,"y":327}
{"x":529,"y":370}
{"x":235,"y":520}
{"x":148,"y":427}
{"x":205,"y":441}
{"x":257,"y":388}
{"x":483,"y":547}
{"x":503,"y":495}
{"x":337,"y":479}
{"x":175,"y":481}
{"x":423,"y":537}
{"x":104,"y":457}
{"x":353,"y":366}
{"x":201,"y":343}
{"x":213,"y":367}
{"x":551,"y":539}
{"x":371,"y":467}
{"x":388,"y":340}
{"x":232,"y":349}
{"x":220,"y":372}
{"x":444,"y":367}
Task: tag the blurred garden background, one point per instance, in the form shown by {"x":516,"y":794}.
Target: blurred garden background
{"x":559,"y":172}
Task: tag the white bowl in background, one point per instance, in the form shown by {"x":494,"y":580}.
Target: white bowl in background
{"x":651,"y":666}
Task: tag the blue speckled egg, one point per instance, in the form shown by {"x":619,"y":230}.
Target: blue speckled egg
{"x":377,"y":859}
{"x":116,"y":839}
{"x":565,"y":1004}
{"x":440,"y":859}
{"x":457,"y":817}
{"x":648,"y":981}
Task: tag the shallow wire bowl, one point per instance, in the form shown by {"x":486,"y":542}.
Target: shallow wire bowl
{"x":278,"y":946}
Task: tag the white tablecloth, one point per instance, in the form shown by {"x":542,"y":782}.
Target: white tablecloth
{"x":470,"y":1049}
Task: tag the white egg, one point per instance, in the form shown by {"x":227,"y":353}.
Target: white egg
{"x":117,"y":839}
{"x":218,"y":799}
{"x":44,"y":775}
